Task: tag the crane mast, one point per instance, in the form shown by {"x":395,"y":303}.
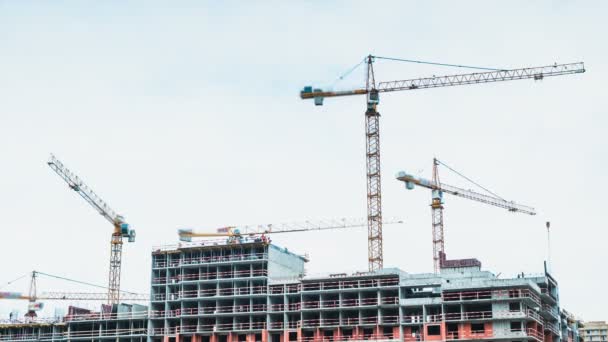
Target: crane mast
{"x":374,"y":184}
{"x":372,"y":128}
{"x":121,"y":228}
{"x":437,"y":213}
{"x":32,"y":305}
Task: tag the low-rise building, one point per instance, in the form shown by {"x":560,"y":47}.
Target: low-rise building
{"x":594,"y":331}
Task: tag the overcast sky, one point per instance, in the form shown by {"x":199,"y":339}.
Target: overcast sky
{"x":186,"y":114}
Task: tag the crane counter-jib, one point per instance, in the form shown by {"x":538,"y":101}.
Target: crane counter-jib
{"x":309,"y":93}
{"x":13,"y":295}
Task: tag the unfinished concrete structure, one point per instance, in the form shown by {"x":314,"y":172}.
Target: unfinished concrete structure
{"x":119,"y":322}
{"x":217,"y":288}
{"x":255,"y":291}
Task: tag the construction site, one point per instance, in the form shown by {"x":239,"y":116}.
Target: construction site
{"x":233,"y":284}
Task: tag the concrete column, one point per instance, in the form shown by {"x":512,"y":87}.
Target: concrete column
{"x":464,"y":330}
{"x":397,"y":333}
{"x":317,"y":335}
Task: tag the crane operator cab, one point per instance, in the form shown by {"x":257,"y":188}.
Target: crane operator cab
{"x":127,"y":232}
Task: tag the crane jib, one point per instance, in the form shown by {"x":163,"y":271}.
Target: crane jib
{"x":469,"y":194}
{"x":536,"y":73}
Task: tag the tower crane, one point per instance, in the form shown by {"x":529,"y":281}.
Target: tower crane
{"x":235,"y":233}
{"x":121,"y":230}
{"x":372,"y":91}
{"x":438,"y":189}
{"x":32,"y":296}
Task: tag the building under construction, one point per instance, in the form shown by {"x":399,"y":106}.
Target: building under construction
{"x":252,"y":290}
{"x":249,"y":290}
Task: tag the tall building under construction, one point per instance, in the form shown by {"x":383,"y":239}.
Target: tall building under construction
{"x":253,"y":290}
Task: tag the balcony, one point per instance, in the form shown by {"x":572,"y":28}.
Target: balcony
{"x":349,"y":284}
{"x":211,"y":259}
{"x":294,"y":307}
{"x":412,"y":319}
{"x":311,"y":323}
{"x":462,"y":316}
{"x":550,"y":311}
{"x":293,"y":324}
{"x":370,"y":337}
{"x":96,"y":316}
{"x":472,"y":335}
{"x":350,"y":321}
{"x":497,"y":334}
{"x":331,"y":304}
{"x":369,"y":320}
{"x":218,"y":276}
{"x":487,"y":295}
{"x":551,"y":327}
{"x":389,"y":301}
{"x":275,"y":325}
{"x":277,"y":307}
{"x":392,"y":320}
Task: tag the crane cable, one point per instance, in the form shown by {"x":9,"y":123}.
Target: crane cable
{"x":79,"y":282}
{"x":436,"y":63}
{"x":14,"y":280}
{"x":349,"y":71}
{"x":469,"y":179}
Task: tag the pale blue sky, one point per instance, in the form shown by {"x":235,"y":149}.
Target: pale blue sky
{"x":186,"y":113}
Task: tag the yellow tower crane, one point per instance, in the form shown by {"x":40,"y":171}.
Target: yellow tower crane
{"x":121,"y":229}
{"x":235,"y":234}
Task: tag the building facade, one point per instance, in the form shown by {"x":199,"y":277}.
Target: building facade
{"x":253,"y":291}
{"x":594,"y":331}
